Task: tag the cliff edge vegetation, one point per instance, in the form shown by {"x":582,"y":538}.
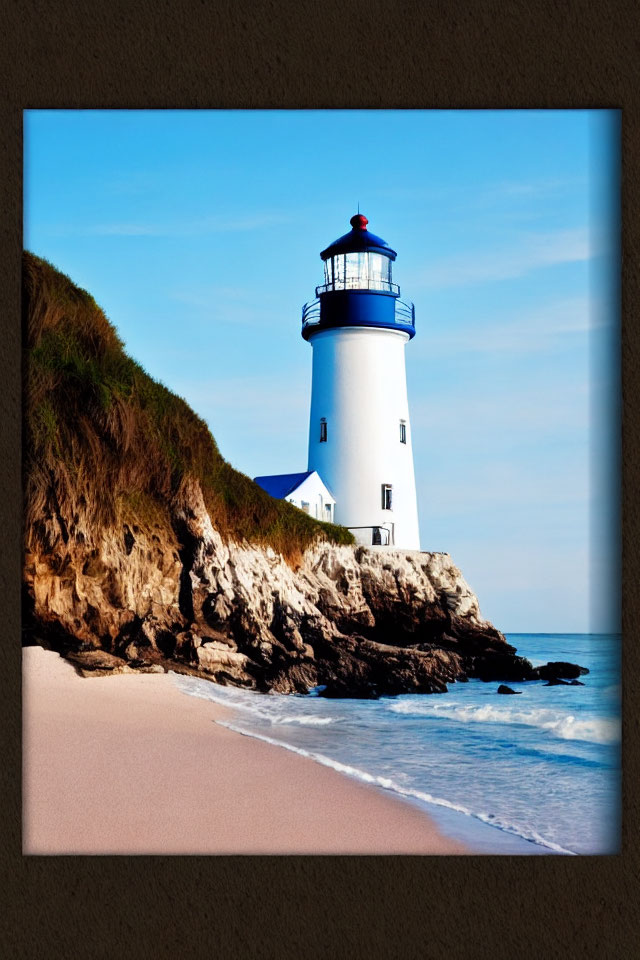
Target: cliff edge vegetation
{"x":92,"y":414}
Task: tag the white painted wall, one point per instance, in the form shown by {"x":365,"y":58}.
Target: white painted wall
{"x":359,"y":384}
{"x":314,"y":493}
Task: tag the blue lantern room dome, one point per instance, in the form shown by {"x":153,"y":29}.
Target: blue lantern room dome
{"x":358,"y":261}
{"x":359,"y":239}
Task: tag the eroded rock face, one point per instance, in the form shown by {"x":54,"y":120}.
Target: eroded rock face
{"x":356,"y":620}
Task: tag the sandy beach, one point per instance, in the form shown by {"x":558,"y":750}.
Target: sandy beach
{"x":130,"y":765}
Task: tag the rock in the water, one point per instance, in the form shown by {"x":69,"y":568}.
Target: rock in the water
{"x":559,"y":670}
{"x":501,"y":666}
{"x":333,"y":691}
{"x":555,"y":682}
{"x":504,"y":689}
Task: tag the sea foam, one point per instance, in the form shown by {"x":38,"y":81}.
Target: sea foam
{"x":271,"y":708}
{"x":557,"y":723}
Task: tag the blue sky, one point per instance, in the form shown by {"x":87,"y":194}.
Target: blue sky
{"x":199,"y":234}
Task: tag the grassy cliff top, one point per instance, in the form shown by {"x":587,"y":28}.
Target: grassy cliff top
{"x":102,"y":435}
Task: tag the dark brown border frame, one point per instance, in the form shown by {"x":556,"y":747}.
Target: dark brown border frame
{"x":402,"y":53}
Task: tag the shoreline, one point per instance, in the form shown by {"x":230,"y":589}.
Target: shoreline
{"x":131,"y":765}
{"x":474,"y":832}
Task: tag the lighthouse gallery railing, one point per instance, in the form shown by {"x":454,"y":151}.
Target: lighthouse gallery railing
{"x":358,"y":283}
{"x":405,"y":313}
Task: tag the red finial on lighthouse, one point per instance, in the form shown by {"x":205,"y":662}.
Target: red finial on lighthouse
{"x":359,"y":222}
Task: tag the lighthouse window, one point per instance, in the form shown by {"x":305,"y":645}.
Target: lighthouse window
{"x":379,"y":271}
{"x":351,"y":268}
{"x":403,"y":432}
{"x":363,"y":266}
{"x":386,"y":496}
{"x":323,"y":430}
{"x":357,"y":269}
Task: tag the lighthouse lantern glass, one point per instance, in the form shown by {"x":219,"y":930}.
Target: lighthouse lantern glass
{"x":358,"y":271}
{"x":379,"y":271}
{"x":338,"y":272}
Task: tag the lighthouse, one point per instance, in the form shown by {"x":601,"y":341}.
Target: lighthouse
{"x":359,"y":430}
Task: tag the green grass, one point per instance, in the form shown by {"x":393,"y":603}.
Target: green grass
{"x":100,"y":431}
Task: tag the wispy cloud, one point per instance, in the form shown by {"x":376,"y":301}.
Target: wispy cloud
{"x":460,"y":196}
{"x":179,"y":228}
{"x":526,"y":253}
{"x":529,"y":331}
{"x":260,"y":422}
{"x":526,"y":189}
{"x":229,"y":306}
{"x":502,"y":415}
{"x":504,"y":485}
{"x":261,"y":403}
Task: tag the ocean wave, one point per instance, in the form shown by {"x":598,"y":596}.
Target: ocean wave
{"x":271,"y":708}
{"x":557,"y":723}
{"x":523,"y":832}
{"x":306,"y":721}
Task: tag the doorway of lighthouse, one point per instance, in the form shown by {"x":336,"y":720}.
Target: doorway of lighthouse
{"x":380,"y":537}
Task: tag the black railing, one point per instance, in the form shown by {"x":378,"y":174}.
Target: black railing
{"x":405,"y":312}
{"x":377,"y":531}
{"x":311,"y":312}
{"x":358,"y":283}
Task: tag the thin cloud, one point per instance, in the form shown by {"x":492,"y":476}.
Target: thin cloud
{"x":527,"y":253}
{"x":229,"y":306}
{"x":526,"y":189}
{"x":501,"y":417}
{"x":183,"y":228}
{"x":248,"y":399}
{"x":249,"y":416}
{"x":522,"y":332}
{"x":463,"y":197}
{"x":504,"y":486}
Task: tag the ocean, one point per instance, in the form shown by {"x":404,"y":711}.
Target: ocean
{"x":537,"y":773}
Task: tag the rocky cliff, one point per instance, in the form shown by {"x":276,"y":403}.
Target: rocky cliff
{"x":356,"y":620}
{"x":144,"y":550}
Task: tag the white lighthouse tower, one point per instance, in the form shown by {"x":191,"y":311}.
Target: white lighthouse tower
{"x":359,"y":431}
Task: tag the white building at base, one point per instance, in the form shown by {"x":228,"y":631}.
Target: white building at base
{"x":304,"y":490}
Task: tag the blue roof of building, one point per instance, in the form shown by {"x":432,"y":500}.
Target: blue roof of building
{"x":280,"y":485}
{"x":358,"y":239}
